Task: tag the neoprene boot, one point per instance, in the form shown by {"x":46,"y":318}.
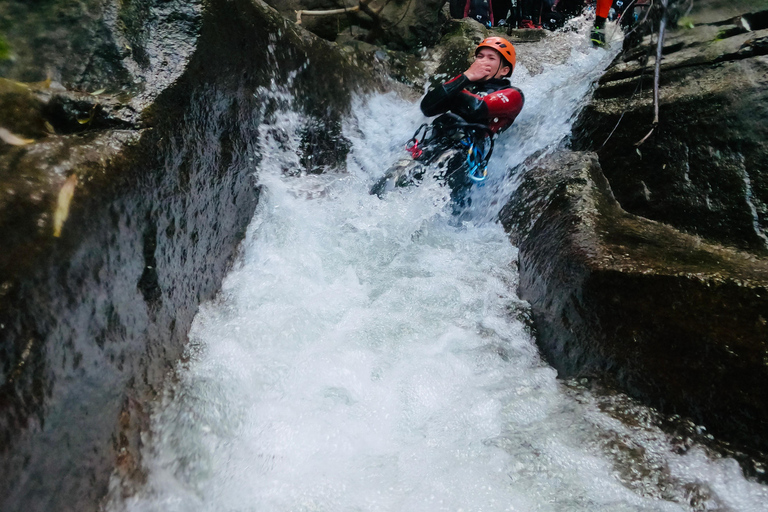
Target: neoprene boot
{"x":597,"y":36}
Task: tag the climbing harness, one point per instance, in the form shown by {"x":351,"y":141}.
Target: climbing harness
{"x":477,"y":139}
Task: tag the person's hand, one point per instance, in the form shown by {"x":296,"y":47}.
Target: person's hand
{"x":479,"y":70}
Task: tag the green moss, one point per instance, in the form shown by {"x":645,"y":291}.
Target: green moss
{"x":405,"y":68}
{"x":455,"y":59}
{"x":686,"y":22}
{"x":5,"y":50}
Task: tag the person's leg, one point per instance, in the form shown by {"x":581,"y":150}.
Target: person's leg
{"x":601,"y":14}
{"x":460,"y":186}
{"x":458,"y":8}
{"x":602,"y":8}
{"x":527,"y":8}
{"x":480,"y":10}
{"x":501,"y":10}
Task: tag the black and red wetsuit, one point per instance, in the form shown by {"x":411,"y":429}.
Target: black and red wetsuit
{"x":494,"y":103}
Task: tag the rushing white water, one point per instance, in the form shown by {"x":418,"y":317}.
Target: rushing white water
{"x":371,"y":355}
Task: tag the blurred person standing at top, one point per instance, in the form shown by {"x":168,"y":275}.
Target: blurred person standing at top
{"x":531,"y":11}
{"x":488,"y":12}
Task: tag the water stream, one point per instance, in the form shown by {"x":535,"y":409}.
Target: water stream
{"x":371,"y":355}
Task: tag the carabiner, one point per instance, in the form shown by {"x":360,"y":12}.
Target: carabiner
{"x":412,"y":146}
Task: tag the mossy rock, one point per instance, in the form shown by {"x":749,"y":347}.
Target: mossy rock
{"x":20,"y":109}
{"x":453,"y":53}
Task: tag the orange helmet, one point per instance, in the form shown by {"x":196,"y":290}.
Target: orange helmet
{"x":502,"y":46}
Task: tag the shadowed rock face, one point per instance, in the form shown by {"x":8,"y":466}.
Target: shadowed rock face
{"x":92,"y":322}
{"x":671,"y":319}
{"x":397,"y":25}
{"x":675,"y":314}
{"x":705,"y":167}
{"x":133,"y":47}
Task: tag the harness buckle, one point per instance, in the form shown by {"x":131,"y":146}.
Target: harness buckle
{"x":412,"y":146}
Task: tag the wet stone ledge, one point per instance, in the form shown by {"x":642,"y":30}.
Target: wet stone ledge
{"x":704,"y":168}
{"x":673,"y":320}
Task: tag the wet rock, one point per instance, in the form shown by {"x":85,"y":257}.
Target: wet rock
{"x":135,"y":48}
{"x":64,"y":41}
{"x":705,"y":167}
{"x":156,"y":187}
{"x":398,"y":25}
{"x":32,"y":177}
{"x":402,"y":67}
{"x":675,"y":321}
{"x":407,"y":25}
{"x":44,"y":109}
{"x":525,"y":35}
{"x":327,"y":26}
{"x":452,"y":56}
{"x":20,"y":109}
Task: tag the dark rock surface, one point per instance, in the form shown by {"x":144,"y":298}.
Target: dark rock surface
{"x":680,"y":323}
{"x":645,"y":262}
{"x":399,"y":25}
{"x":705,"y":167}
{"x":132,"y":47}
{"x":162,"y":187}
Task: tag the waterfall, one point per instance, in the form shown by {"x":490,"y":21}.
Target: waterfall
{"x":370,"y":354}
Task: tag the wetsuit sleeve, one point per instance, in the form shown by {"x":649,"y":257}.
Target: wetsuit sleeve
{"x":440,"y":99}
{"x":502,"y":107}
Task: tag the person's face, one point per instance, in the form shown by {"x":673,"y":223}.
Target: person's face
{"x":493,"y":58}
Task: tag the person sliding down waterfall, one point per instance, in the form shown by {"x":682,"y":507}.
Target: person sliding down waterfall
{"x":473,"y":108}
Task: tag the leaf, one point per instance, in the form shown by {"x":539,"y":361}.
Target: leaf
{"x":100,"y":91}
{"x":12,"y":139}
{"x":90,"y":116}
{"x":49,"y":128}
{"x":685,"y":22}
{"x":62,"y":204}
